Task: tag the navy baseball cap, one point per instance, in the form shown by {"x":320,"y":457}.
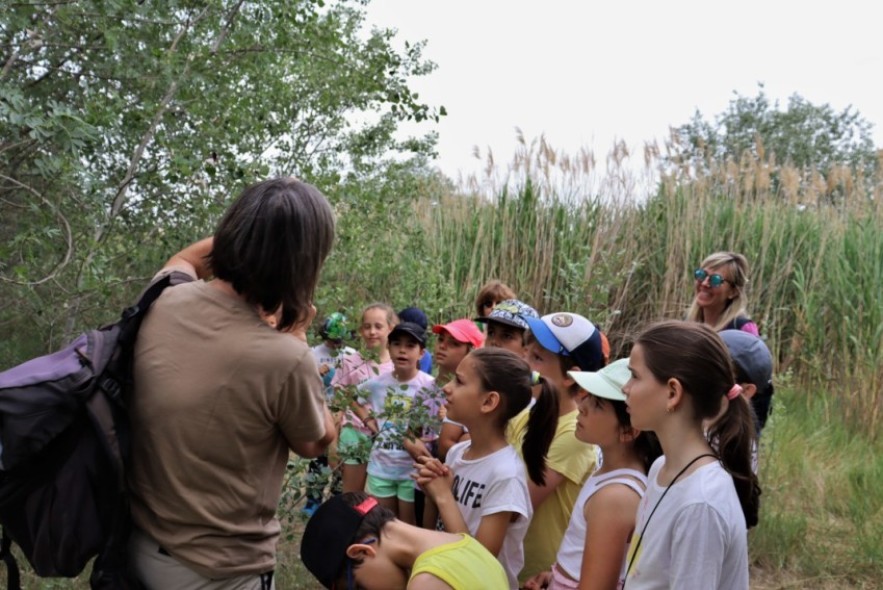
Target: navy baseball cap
{"x":751,"y":356}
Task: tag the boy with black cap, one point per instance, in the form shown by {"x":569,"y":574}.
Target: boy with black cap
{"x":396,"y":406}
{"x":352,"y":541}
{"x":417,"y":316}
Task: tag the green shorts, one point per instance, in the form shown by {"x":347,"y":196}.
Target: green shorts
{"x":379,"y":487}
{"x":353,"y":446}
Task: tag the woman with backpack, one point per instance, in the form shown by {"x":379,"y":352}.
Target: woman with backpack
{"x":221,"y":397}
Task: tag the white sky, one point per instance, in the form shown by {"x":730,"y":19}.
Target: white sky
{"x":586,"y":73}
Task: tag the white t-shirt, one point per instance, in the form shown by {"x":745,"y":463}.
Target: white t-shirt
{"x":495,"y":483}
{"x":393,"y":402}
{"x":696,"y":539}
{"x":570,"y":554}
{"x":331,"y":357}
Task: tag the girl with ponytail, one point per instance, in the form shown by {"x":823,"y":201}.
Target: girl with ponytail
{"x":681,"y":374}
{"x":481,"y":489}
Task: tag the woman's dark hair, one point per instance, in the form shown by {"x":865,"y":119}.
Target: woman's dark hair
{"x":271,"y":244}
{"x":696,"y":356}
{"x":646,"y":445}
{"x":509,"y":375}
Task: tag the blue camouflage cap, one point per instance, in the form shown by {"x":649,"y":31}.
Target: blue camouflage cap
{"x":510,"y":312}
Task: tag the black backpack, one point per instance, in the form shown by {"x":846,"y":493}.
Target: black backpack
{"x":64,"y":440}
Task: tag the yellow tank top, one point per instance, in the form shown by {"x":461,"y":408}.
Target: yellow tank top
{"x":462,"y":565}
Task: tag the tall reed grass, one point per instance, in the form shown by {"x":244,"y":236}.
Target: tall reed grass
{"x":624,"y":258}
{"x":618,"y":242}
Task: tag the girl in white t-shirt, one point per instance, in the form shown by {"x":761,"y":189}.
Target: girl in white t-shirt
{"x":481,"y":489}
{"x":593,"y":549}
{"x":691,"y":524}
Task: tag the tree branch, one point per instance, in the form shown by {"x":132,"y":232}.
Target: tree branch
{"x":9,"y":62}
{"x":67,"y":234}
{"x":229,"y":23}
{"x":119,"y":198}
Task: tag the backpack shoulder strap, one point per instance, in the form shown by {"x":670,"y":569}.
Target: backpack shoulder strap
{"x":13,"y":578}
{"x":132,"y":315}
{"x":737,"y":322}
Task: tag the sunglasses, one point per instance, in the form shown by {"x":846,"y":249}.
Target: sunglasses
{"x":714,"y":280}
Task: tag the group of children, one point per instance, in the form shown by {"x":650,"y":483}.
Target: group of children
{"x":542,"y":464}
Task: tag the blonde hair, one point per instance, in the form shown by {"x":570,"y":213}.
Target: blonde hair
{"x":737,"y":265}
{"x":391,"y":318}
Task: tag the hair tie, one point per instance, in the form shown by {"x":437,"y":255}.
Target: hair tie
{"x":535,"y":377}
{"x":734,"y":392}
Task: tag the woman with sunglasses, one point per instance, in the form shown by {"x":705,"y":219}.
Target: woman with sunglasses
{"x":720,"y":300}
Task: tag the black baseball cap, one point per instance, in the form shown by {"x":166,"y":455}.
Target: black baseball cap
{"x":411,"y":329}
{"x":328,"y":533}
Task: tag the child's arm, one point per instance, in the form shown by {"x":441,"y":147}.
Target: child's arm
{"x":436,"y":479}
{"x":567,"y":458}
{"x":539,"y":581}
{"x":492,"y":530}
{"x":610,"y":517}
{"x":450,"y":434}
{"x":415,"y":447}
{"x":553,"y":479}
{"x":193,"y":259}
{"x":364,"y":413}
{"x":311,"y":449}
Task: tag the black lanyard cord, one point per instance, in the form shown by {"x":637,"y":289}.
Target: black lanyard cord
{"x":652,"y":512}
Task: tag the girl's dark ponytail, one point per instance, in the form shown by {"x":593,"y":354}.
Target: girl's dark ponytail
{"x":696,"y":356}
{"x":734,"y":438}
{"x":508,"y":374}
{"x":541,"y":427}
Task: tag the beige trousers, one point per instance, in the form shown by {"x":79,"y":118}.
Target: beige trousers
{"x":159,"y":571}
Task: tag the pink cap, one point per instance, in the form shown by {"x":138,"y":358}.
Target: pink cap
{"x":462,"y":331}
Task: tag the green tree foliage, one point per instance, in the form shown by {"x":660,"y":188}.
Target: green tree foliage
{"x":803,"y":135}
{"x":125,"y":127}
